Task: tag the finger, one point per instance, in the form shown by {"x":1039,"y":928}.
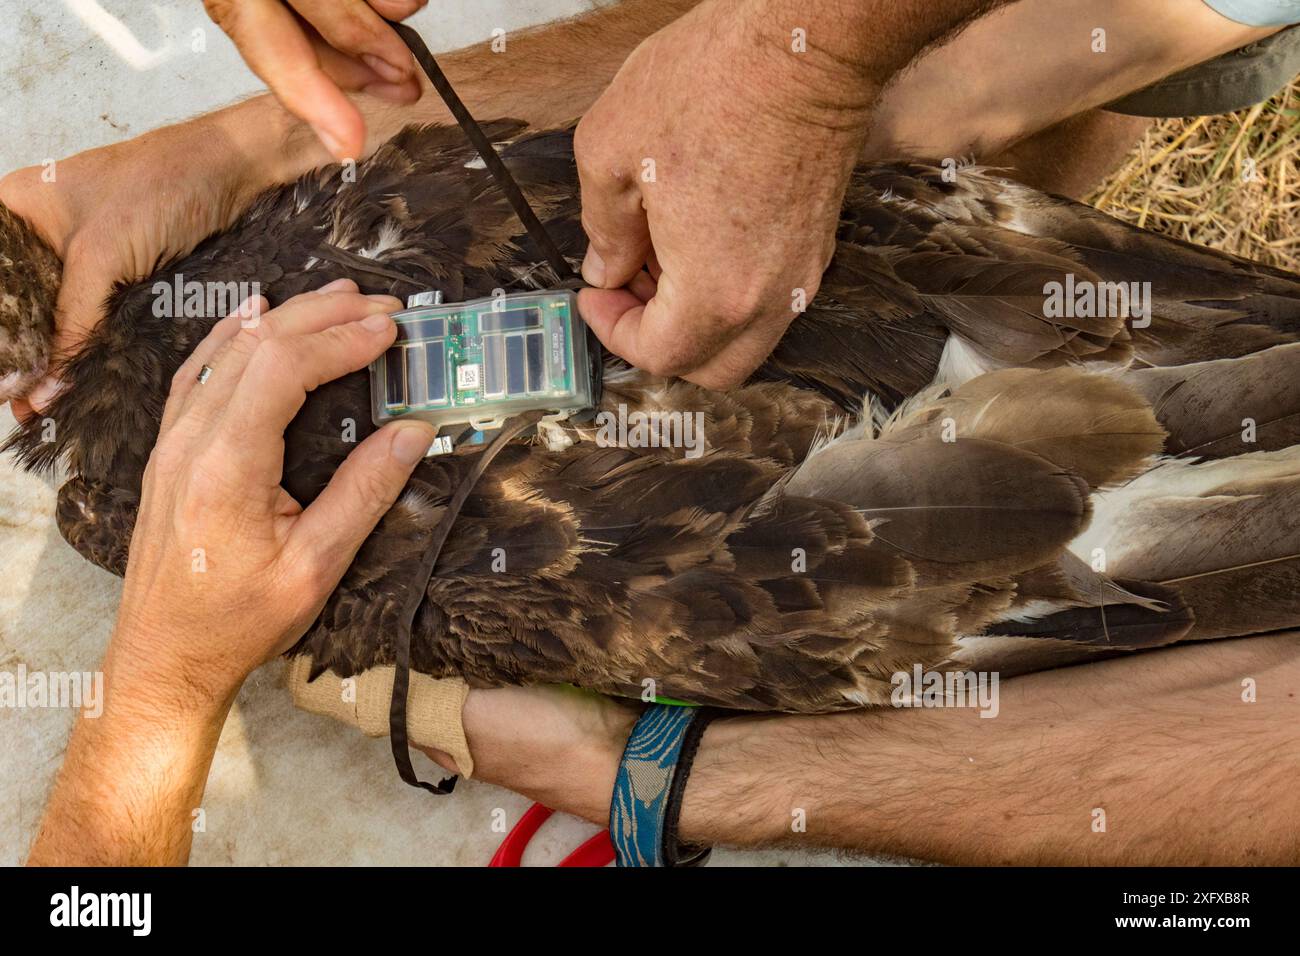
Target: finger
{"x":80,"y":304}
{"x":280,"y":374}
{"x":45,"y":392}
{"x":327,"y":535}
{"x":656,"y":335}
{"x":301,"y":315}
{"x":355,"y":28}
{"x":351,"y":73}
{"x":338,"y":285}
{"x":613,"y":218}
{"x":441,"y":758}
{"x":737,"y":360}
{"x":402,"y":94}
{"x":398,"y":9}
{"x":187,"y":376}
{"x":276,"y":48}
{"x":21,"y":409}
{"x":643,"y":285}
{"x":78,"y":308}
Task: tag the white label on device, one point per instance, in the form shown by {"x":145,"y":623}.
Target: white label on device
{"x":467,"y":377}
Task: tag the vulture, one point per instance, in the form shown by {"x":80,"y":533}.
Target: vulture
{"x":946,"y":462}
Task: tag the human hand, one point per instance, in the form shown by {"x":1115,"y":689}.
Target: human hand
{"x":226,"y":570}
{"x":719,"y":157}
{"x":309,"y":51}
{"x":113,"y":213}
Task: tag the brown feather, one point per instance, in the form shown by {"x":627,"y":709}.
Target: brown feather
{"x":1090,"y":425}
{"x":1225,"y":534}
{"x":1209,"y":408}
{"x":959,"y":511}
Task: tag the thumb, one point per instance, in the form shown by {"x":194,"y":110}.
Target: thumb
{"x":615,"y":222}
{"x":362,"y":490}
{"x":655,"y":326}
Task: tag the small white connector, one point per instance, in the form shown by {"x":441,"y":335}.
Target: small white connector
{"x":433,"y":297}
{"x":442,"y":445}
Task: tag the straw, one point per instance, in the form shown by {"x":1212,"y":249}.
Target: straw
{"x":1231,"y":182}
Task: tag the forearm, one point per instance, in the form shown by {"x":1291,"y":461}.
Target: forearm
{"x":1163,"y":745}
{"x":549,"y":74}
{"x":546,"y":75}
{"x":1160,"y":744}
{"x":133,"y":776}
{"x":1032,"y":63}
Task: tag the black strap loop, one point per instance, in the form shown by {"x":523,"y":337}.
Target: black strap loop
{"x":515,"y":195}
{"x":416,"y":594}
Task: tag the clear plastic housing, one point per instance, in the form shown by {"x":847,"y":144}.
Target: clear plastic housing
{"x":478,"y":363}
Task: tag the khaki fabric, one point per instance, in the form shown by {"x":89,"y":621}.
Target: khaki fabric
{"x":1223,"y":85}
{"x":433,"y":715}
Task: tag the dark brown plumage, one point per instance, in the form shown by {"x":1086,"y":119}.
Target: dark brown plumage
{"x":817,"y":547}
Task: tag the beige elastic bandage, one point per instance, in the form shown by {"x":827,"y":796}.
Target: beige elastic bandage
{"x":433,"y":714}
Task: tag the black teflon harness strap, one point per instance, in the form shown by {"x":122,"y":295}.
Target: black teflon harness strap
{"x":518,"y":202}
{"x":512,"y":428}
{"x":416,"y":595}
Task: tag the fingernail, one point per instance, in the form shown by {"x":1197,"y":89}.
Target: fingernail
{"x":376,"y":323}
{"x":593,"y":267}
{"x":334,"y":286}
{"x":411,"y":443}
{"x":330,"y":141}
{"x":250,"y":311}
{"x":391,"y":73}
{"x":44,"y":393}
{"x":385,"y":299}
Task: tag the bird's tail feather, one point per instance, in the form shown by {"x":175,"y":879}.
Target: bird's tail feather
{"x":992,"y":478}
{"x":1190,"y":550}
{"x":1226,"y":407}
{"x":1205,"y":304}
{"x":1224,"y":534}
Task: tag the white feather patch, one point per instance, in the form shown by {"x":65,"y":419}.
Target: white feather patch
{"x":390,"y":237}
{"x":962,"y":362}
{"x":1116,"y":511}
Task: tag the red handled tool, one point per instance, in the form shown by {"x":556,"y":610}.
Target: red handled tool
{"x":597,"y":851}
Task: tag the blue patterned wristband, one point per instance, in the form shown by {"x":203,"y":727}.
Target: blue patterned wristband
{"x":648,"y":790}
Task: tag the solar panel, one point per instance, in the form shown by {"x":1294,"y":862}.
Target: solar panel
{"x":536,"y":360}
{"x":417,"y":376}
{"x":494,"y":360}
{"x":395,"y":378}
{"x":515,"y":375}
{"x":436,"y":362}
{"x":511,"y":320}
{"x":421,"y":329}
